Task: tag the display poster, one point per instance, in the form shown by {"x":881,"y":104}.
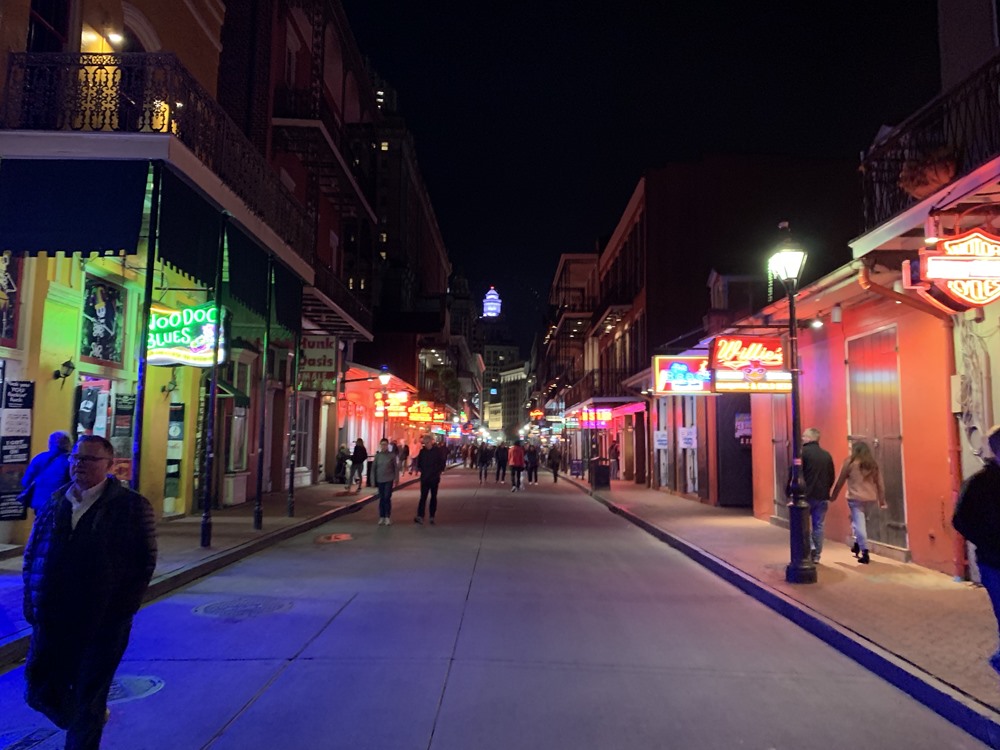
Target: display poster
{"x":101,"y":415}
{"x":102,"y":339}
{"x":661,"y":440}
{"x":743,"y":431}
{"x":687,"y":438}
{"x":15,"y":446}
{"x":121,"y":433}
{"x":10,"y":298}
{"x":175,"y":452}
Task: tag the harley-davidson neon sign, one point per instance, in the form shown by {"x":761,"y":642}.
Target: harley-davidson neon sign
{"x":682,"y":375}
{"x":750,"y":364}
{"x":966,"y":268}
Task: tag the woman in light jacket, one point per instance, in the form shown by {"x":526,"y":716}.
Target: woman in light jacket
{"x":864,"y":486}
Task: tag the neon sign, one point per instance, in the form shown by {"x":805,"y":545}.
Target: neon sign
{"x":749,"y":364}
{"x":966,"y":268}
{"x":594,"y":419}
{"x":685,"y":375}
{"x":536,"y":414}
{"x":185,"y":336}
{"x":396,"y":404}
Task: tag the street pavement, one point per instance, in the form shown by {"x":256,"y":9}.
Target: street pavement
{"x":521,"y":620}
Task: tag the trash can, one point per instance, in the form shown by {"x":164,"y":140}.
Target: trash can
{"x":600,"y":474}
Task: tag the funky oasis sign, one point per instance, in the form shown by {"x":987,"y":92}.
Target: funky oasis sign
{"x":185,"y":336}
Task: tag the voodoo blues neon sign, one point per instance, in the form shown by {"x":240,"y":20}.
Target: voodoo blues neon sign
{"x":185,"y":336}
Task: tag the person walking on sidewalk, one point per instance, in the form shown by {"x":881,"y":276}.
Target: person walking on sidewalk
{"x":47,"y":472}
{"x":516,"y":458}
{"x":555,"y":459}
{"x":865,"y":486}
{"x":614,"y":454}
{"x":87,"y":565}
{"x":817,"y":478}
{"x":404,"y":460}
{"x":430,"y":462}
{"x":386,"y":470}
{"x":358,"y":459}
{"x":501,"y":455}
{"x":531,"y":459}
{"x":484,"y":457}
{"x":977,"y":518}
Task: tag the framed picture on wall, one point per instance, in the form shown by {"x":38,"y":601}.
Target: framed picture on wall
{"x":103,"y":337}
{"x":10,"y":298}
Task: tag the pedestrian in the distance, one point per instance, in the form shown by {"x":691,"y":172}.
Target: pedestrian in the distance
{"x":555,"y":459}
{"x":431,"y":462}
{"x":817,"y":478}
{"x":614,"y":454}
{"x":87,"y":565}
{"x":386,"y":470}
{"x":484,"y":456}
{"x":531,"y":459}
{"x":977,"y":518}
{"x":47,"y":473}
{"x":404,"y":458}
{"x":358,"y":459}
{"x":500,"y":455}
{"x":865,"y":487}
{"x":516,"y":459}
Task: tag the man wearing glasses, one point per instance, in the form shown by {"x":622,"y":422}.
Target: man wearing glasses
{"x":86,"y":568}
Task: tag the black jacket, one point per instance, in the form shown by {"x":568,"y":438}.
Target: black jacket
{"x":95,"y":575}
{"x":818,"y":472}
{"x":977,"y":514}
{"x":430,"y":462}
{"x":360,"y":455}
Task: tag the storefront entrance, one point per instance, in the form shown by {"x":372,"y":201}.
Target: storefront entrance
{"x":873,"y":393}
{"x":782,"y":450}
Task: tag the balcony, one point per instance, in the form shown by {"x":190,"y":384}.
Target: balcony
{"x":597,"y":383}
{"x":611,"y":310}
{"x":155,"y":94}
{"x":945,"y":140}
{"x":334,"y":308}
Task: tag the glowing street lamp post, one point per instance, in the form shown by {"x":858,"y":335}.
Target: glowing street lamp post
{"x":384,"y":377}
{"x":787,"y":264}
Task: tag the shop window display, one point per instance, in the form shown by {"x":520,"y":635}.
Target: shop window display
{"x":103,"y":336}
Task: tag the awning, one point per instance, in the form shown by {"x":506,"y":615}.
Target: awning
{"x":248,"y":278}
{"x":287,"y":299}
{"x":228,"y":390}
{"x":189,"y":230}
{"x":75,"y":206}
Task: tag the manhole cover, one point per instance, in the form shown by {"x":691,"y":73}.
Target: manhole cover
{"x":332,"y":538}
{"x":243,"y":608}
{"x":130,"y":687}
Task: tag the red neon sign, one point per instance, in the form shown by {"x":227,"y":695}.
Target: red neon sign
{"x":749,"y":364}
{"x":966,"y":268}
{"x":686,"y":375}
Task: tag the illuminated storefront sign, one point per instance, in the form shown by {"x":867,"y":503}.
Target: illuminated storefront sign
{"x":594,"y":419}
{"x":536,"y":414}
{"x":185,"y":336}
{"x":397,"y":405}
{"x":965,"y":268}
{"x":749,"y":364}
{"x":422,"y":411}
{"x":683,"y":375}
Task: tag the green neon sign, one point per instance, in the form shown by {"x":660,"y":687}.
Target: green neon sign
{"x":185,"y":336}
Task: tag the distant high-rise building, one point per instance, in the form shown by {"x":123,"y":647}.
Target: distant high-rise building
{"x":491,"y":304}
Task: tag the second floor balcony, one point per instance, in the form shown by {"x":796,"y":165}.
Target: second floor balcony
{"x":597,"y":383}
{"x":150,"y":94}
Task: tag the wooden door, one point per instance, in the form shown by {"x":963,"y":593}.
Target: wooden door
{"x":782,"y":452}
{"x":873,"y":391}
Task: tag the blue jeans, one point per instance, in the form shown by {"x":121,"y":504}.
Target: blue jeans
{"x":990,"y":577}
{"x":817,"y":513}
{"x":859,"y":523}
{"x":384,"y":499}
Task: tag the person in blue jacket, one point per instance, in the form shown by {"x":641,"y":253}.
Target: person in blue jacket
{"x":48,"y":471}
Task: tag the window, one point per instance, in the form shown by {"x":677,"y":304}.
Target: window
{"x":383,"y":237}
{"x":384,"y":146}
{"x":236,"y":458}
{"x":48,"y":25}
{"x":303,"y":433}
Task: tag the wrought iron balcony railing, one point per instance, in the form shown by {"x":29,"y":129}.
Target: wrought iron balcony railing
{"x":150,"y":93}
{"x":946,"y":139}
{"x":328,"y":283}
{"x":597,"y":383}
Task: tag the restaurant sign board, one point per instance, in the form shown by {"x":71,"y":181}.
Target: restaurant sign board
{"x":681,"y":375}
{"x":185,"y":336}
{"x":966,"y":268}
{"x":749,"y":364}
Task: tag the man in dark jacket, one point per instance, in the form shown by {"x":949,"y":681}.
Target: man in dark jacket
{"x":358,"y":459}
{"x":86,"y":568}
{"x":48,"y":471}
{"x":977,"y":518}
{"x":430,"y":462}
{"x":818,"y":475}
{"x":500,"y":455}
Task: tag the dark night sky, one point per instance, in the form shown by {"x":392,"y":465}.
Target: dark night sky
{"x":534,"y":120}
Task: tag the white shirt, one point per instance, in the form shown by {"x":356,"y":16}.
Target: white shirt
{"x":87,"y":498}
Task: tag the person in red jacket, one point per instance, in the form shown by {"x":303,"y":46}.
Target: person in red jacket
{"x":516,"y":461}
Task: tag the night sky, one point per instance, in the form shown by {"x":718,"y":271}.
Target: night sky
{"x":534,"y":121}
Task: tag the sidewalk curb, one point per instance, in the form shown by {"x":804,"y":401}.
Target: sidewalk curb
{"x":15,"y":648}
{"x":981,"y":721}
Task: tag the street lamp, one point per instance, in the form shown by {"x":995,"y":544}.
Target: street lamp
{"x":787,"y":265}
{"x":384,"y":377}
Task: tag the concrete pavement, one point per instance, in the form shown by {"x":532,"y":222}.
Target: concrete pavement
{"x":917,"y":628}
{"x":528,"y":620}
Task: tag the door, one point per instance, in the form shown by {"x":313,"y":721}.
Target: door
{"x":735,"y":464}
{"x":873,"y":392}
{"x":782,"y":450}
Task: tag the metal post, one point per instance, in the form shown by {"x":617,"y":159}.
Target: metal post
{"x":147,"y":303}
{"x":213,"y":391}
{"x":385,"y":410}
{"x":800,"y":568}
{"x":258,"y":506}
{"x":293,"y":426}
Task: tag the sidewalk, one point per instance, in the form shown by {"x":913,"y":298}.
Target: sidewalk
{"x":917,"y":628}
{"x":182,"y":559}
